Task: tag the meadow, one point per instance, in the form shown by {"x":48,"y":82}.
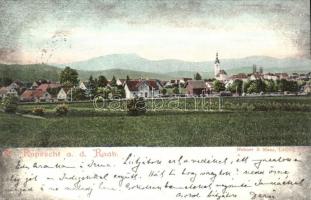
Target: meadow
{"x":240,"y":122}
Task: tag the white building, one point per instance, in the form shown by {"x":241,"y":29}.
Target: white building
{"x":142,"y":88}
{"x":62,"y":95}
{"x":83,"y":85}
{"x":220,"y":74}
{"x":216,"y":65}
{"x":6,"y":91}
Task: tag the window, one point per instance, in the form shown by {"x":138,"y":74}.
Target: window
{"x":146,"y":94}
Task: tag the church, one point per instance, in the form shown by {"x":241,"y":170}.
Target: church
{"x":220,"y":74}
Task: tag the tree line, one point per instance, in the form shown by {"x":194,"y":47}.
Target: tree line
{"x":95,"y":86}
{"x":258,"y":86}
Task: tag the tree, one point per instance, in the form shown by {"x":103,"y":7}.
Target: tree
{"x":136,"y":106}
{"x":127,"y":78}
{"x":176,"y":90}
{"x":96,"y":82}
{"x":104,"y":91}
{"x":164,"y":91}
{"x":69,"y":75}
{"x":197,"y":76}
{"x":261,"y":86}
{"x":270,"y":86}
{"x":78,"y":94}
{"x":285,"y":85}
{"x":121,"y":91}
{"x":102,"y":81}
{"x":255,"y":86}
{"x":53,"y":91}
{"x":252,"y":88}
{"x":113,"y":81}
{"x":219,"y":86}
{"x":5,"y":81}
{"x":236,"y":86}
{"x":91,"y":89}
{"x":10,"y":103}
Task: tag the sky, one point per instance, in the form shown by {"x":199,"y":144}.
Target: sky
{"x":64,"y":31}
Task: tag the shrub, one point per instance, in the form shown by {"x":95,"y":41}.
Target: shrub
{"x":136,"y":106}
{"x":61,"y":109}
{"x":9,"y":104}
{"x":38,"y":110}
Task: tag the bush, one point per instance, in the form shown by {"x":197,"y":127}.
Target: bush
{"x":61,"y":109}
{"x":136,"y":106}
{"x":9,"y":104}
{"x":38,"y":111}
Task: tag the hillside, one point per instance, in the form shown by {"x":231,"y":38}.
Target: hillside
{"x":33,"y":72}
{"x":121,"y":73}
{"x":29,"y":72}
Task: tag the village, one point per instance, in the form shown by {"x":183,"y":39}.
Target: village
{"x":241,"y":84}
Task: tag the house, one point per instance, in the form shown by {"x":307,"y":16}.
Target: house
{"x":209,"y":86}
{"x":16,"y":85}
{"x":35,"y":85}
{"x":294,"y":76}
{"x":256,"y":76}
{"x":28,"y":95}
{"x":196,"y":87}
{"x":303,"y":76}
{"x":142,"y":88}
{"x":240,"y":76}
{"x":83,"y":85}
{"x":44,"y":92}
{"x":282,"y":75}
{"x":36,"y":95}
{"x":45,"y":96}
{"x":168,"y":84}
{"x":5,"y":91}
{"x":183,"y":81}
{"x":270,"y":76}
{"x":222,"y":75}
{"x":307,"y":89}
{"x":121,"y":82}
{"x":62,"y":95}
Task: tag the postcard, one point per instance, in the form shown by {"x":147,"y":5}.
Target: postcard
{"x":155,"y":99}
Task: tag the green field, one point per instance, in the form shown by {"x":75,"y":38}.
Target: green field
{"x":288,"y":123}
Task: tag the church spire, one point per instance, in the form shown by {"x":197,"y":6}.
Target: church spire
{"x":217,"y":60}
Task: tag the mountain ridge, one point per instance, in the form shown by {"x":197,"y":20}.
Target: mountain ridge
{"x":137,"y":63}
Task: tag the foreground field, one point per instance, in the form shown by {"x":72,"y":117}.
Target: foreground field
{"x":158,"y":129}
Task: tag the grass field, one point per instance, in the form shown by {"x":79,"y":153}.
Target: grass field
{"x":90,"y":128}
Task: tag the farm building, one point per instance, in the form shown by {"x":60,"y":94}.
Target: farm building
{"x":196,"y":87}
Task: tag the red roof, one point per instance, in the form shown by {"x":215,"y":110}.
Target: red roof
{"x":38,"y":93}
{"x":45,"y":86}
{"x":28,"y":94}
{"x":239,"y":76}
{"x":134,"y":84}
{"x":31,"y":94}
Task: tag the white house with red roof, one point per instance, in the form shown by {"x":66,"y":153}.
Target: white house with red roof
{"x":142,"y":88}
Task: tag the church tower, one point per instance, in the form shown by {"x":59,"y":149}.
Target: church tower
{"x":217,"y":65}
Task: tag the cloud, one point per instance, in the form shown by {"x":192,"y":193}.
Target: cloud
{"x":9,"y":56}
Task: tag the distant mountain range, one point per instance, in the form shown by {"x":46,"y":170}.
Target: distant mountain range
{"x":34,"y":72}
{"x":121,"y":65}
{"x":176,"y":67}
